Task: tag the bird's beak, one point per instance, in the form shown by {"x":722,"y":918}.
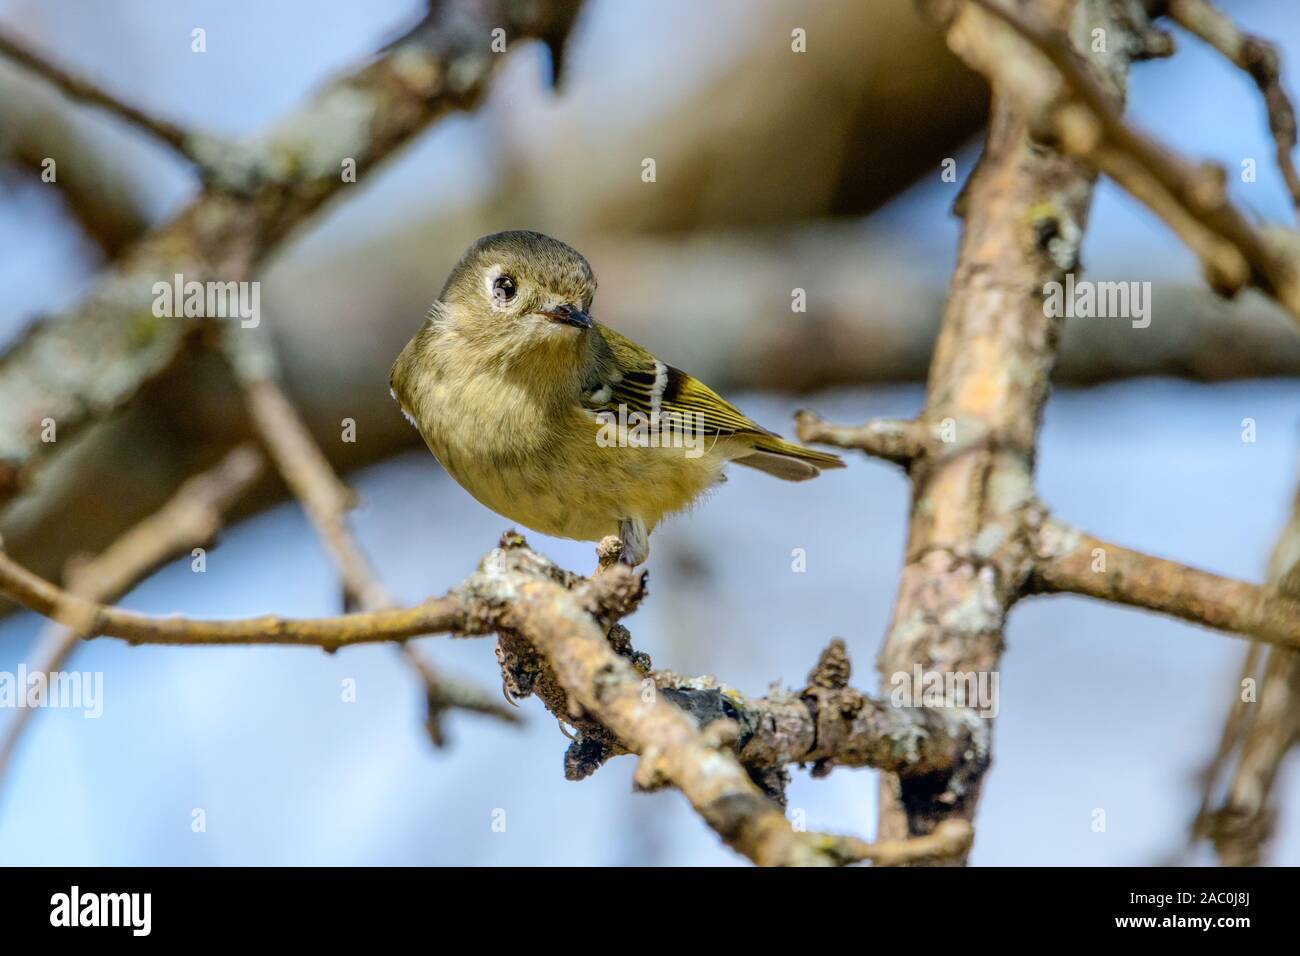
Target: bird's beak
{"x":569,"y":315}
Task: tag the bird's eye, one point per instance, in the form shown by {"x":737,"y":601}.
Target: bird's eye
{"x":503,"y":288}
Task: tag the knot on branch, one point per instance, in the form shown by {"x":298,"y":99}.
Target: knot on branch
{"x":1239,"y":833}
{"x":587,"y":754}
{"x":832,"y":704}
{"x":1143,"y":39}
{"x":651,"y":771}
{"x":615,"y":593}
{"x":608,"y":552}
{"x":620,"y":639}
{"x":833,"y":668}
{"x":512,"y":540}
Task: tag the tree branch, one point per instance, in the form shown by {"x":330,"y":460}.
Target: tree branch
{"x":967,"y":555}
{"x":672,"y":748}
{"x":950,"y":840}
{"x":1259,"y":59}
{"x":1261,"y":731}
{"x":1192,"y":199}
{"x":978,"y":540}
{"x":893,"y":439}
{"x":91,"y":619}
{"x":830,"y":724}
{"x":566,"y":619}
{"x":84,"y":91}
{"x":1071,"y":561}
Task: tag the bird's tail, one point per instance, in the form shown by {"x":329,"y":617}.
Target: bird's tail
{"x":786,"y":460}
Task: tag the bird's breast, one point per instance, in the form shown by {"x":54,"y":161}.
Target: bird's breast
{"x":541,"y":461}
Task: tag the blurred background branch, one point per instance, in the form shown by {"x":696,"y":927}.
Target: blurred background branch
{"x":1262,"y":730}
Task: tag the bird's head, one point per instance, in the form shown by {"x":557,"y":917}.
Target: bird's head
{"x":521,"y":290}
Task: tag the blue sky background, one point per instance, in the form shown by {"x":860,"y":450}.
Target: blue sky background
{"x":1101,"y":707}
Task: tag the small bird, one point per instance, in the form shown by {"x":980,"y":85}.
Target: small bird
{"x":560,"y":423}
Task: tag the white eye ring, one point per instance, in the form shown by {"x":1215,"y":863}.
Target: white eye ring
{"x":504,"y":289}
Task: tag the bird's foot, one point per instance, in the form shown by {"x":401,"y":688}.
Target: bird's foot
{"x":636,"y":541}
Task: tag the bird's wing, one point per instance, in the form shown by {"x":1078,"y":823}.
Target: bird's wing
{"x":638,"y":381}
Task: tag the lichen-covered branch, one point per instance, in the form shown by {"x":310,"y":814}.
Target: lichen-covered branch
{"x":591,"y":681}
{"x":673,"y":749}
{"x":829,"y":723}
{"x":978,"y":539}
{"x":559,"y":624}
{"x":968,"y":557}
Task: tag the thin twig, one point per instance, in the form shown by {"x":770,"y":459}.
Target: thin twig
{"x":190,"y":519}
{"x":1071,"y":561}
{"x":1235,"y":727}
{"x":951,"y":839}
{"x":893,"y":439}
{"x":91,"y":619}
{"x":443,"y":694}
{"x":1192,"y":199}
{"x":327,"y":500}
{"x":1259,"y":59}
{"x":311,"y":479}
{"x":84,"y":91}
{"x":1242,"y":825}
{"x":1243,"y":822}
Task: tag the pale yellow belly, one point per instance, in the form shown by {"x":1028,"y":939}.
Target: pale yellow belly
{"x":578,"y":489}
{"x":542,"y":461}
